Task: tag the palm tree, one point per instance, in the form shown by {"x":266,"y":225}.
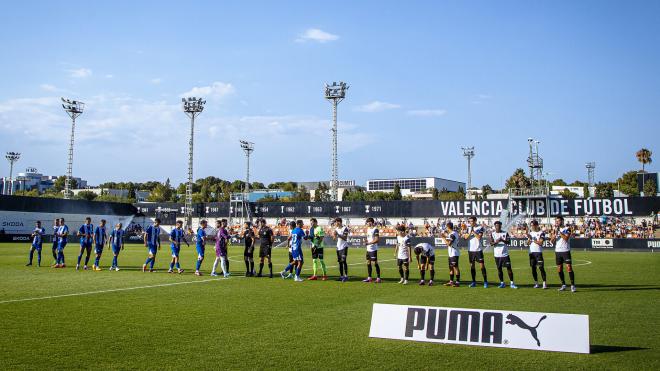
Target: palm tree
{"x":644,"y":156}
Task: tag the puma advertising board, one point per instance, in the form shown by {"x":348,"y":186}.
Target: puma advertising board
{"x":492,"y":328}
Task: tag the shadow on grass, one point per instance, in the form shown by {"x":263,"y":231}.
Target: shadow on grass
{"x":612,"y":349}
{"x":618,"y":287}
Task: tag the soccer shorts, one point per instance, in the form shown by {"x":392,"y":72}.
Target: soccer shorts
{"x":248,"y":252}
{"x":400,"y":262}
{"x":372,"y":255}
{"x":536,"y":259}
{"x":563,"y":257}
{"x":423,"y":259}
{"x":264,"y":250}
{"x":153,"y":249}
{"x":116,"y":249}
{"x":503,"y":261}
{"x":61,"y":245}
{"x":317,"y":253}
{"x":221,"y":251}
{"x":342,"y":254}
{"x":452,"y":261}
{"x":98,"y":249}
{"x":86,"y":245}
{"x":476,"y":256}
{"x":297,"y":255}
{"x":37,"y":246}
{"x":175,"y":250}
{"x":200,"y":251}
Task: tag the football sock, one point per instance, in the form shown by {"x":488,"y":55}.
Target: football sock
{"x":345,"y":269}
{"x":289,"y":267}
{"x":401,"y":271}
{"x":38,"y":257}
{"x":226,"y":261}
{"x":473,"y":272}
{"x":198,"y":265}
{"x":86,"y":259}
{"x":377,"y":270}
{"x":247,"y":265}
{"x":542,"y":273}
{"x":96,"y":261}
{"x":432,"y":274}
{"x":510,"y":271}
{"x":31,"y":255}
{"x":458,"y":277}
{"x":215,"y":264}
{"x":571,"y":275}
{"x":314,"y":264}
{"x":55,"y":254}
{"x":483,"y":273}
{"x":171,"y":265}
{"x":252,"y":266}
{"x":369,"y":269}
{"x":422,"y":273}
{"x":534,"y":274}
{"x":261,"y":267}
{"x":146,"y":262}
{"x":500,"y":274}
{"x":60,"y":257}
{"x":114,"y":261}
{"x":270,"y":267}
{"x":79,"y":258}
{"x":177,"y":265}
{"x":407,"y":272}
{"x":224,"y":264}
{"x":341,"y":269}
{"x":562,"y":278}
{"x":151,"y":265}
{"x":451,"y":277}
{"x":325,"y":271}
{"x":298,"y":269}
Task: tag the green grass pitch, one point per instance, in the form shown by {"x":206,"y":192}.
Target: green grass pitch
{"x":159,"y":320}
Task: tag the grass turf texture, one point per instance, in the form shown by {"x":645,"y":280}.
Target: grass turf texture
{"x":262,"y":323}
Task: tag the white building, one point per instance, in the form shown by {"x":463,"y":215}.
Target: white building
{"x":32,"y":179}
{"x":579,"y":191}
{"x":409,"y":186}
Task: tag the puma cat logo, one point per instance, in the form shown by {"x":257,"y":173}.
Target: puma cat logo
{"x":515,"y":320}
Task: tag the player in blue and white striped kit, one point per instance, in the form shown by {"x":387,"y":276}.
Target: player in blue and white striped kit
{"x":117,"y":244}
{"x":56,"y":227}
{"x":37,"y":242}
{"x":85,"y":233}
{"x":100,"y":239}
{"x":62,"y":239}
{"x":176,"y":236}
{"x":152,"y":242}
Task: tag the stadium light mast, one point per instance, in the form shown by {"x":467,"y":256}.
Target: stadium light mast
{"x":468,"y":153}
{"x":248,"y":148}
{"x":591,"y":171}
{"x":12,"y":157}
{"x":192,"y":107}
{"x":535,"y":162}
{"x":74,"y":109}
{"x":335,"y":93}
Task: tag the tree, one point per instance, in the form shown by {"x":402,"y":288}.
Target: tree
{"x":86,"y":195}
{"x":257,"y":185}
{"x":435,"y":193}
{"x":650,"y":188}
{"x":604,"y":190}
{"x":397,"y":192}
{"x":486,"y":190}
{"x":451,"y":196}
{"x":31,"y":193}
{"x":558,"y":182}
{"x":161,"y":193}
{"x":644,"y":157}
{"x":346,"y":194}
{"x":321,"y":192}
{"x":301,"y":194}
{"x":566,"y":193}
{"x":518,"y":180}
{"x":628,"y":183}
{"x":58,"y":184}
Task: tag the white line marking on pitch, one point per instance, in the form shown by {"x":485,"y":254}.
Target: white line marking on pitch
{"x":110,"y":290}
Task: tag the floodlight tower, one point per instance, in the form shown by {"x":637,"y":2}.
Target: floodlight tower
{"x":74,"y":109}
{"x":248,"y":148}
{"x":335,"y":93}
{"x":192,"y":107}
{"x":535,"y":162}
{"x":11,"y":157}
{"x":468,"y":153}
{"x":591,"y":171}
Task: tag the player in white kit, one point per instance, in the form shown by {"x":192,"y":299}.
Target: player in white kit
{"x":450,"y":237}
{"x":340,"y":233}
{"x":372,"y":250}
{"x":500,"y":241}
{"x":425,"y":254}
{"x":474,"y":234}
{"x":561,"y":236}
{"x":535,"y":239}
{"x":402,"y":254}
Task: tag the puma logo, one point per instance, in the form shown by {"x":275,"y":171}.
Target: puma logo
{"x":515,"y":320}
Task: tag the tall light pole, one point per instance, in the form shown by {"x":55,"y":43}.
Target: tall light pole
{"x":248,"y":148}
{"x":591,"y":171}
{"x":535,"y":162}
{"x":335,"y":93}
{"x":192,"y":107}
{"x":468,"y":153}
{"x":11,"y":157}
{"x":74,"y":109}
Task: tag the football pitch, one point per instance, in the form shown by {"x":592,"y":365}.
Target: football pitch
{"x":67,"y":319}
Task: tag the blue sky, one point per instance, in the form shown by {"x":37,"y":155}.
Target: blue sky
{"x":427,"y":77}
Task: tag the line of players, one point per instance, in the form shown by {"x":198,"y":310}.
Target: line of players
{"x":98,"y":238}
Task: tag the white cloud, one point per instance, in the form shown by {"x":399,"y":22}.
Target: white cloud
{"x":48,"y":87}
{"x":80,"y":73}
{"x":214,"y":91}
{"x":316,"y":35}
{"x":377,"y":106}
{"x":427,"y":112}
{"x":109,"y":76}
{"x":156,"y":80}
